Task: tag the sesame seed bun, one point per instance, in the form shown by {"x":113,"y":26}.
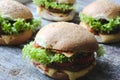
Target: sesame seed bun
{"x":102,"y":9}
{"x":66,"y":37}
{"x":13,"y":10}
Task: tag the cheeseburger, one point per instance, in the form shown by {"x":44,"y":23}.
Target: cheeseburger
{"x":63,"y":51}
{"x":102,"y":18}
{"x":16,"y":23}
{"x":56,"y":10}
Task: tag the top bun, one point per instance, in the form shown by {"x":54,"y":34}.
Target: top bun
{"x":102,"y":9}
{"x":66,"y":1}
{"x":66,"y":37}
{"x":12,"y":9}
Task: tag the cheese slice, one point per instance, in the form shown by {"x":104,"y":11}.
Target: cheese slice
{"x":68,"y":54}
{"x":75,"y":75}
{"x":72,"y":75}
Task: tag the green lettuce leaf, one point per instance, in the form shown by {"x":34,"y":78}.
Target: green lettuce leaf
{"x":100,"y":52}
{"x":52,"y":4}
{"x":96,"y":24}
{"x":43,"y":56}
{"x":16,"y":26}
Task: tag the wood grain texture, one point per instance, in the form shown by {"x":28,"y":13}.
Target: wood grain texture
{"x":13,"y":67}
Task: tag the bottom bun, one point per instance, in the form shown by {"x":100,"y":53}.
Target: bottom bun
{"x":110,"y":38}
{"x":63,"y":74}
{"x":104,"y":38}
{"x":44,"y":13}
{"x":15,"y":39}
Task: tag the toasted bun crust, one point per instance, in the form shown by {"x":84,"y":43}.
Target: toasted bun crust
{"x":44,"y":13}
{"x":13,"y":9}
{"x":66,"y":37}
{"x":66,"y":1}
{"x":110,"y":38}
{"x":64,"y":74}
{"x":15,"y":39}
{"x":104,"y":38}
{"x":102,"y":9}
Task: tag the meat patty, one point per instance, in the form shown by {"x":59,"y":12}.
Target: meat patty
{"x":76,"y":65}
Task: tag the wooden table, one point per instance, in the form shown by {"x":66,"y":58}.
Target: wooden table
{"x":12,"y":67}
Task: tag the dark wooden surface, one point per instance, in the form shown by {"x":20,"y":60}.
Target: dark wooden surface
{"x":12,"y":67}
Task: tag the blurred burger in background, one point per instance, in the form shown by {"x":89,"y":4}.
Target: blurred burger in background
{"x":56,"y":10}
{"x":16,"y":23}
{"x":102,"y":18}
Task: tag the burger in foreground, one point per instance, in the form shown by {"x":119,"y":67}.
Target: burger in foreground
{"x":63,"y":51}
{"x":102,"y":18}
{"x":16,"y":23}
{"x":56,"y":10}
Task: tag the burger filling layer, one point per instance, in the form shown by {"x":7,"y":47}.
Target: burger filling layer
{"x":63,"y":74}
{"x":55,"y":59}
{"x":10,"y":27}
{"x":54,"y":6}
{"x":101,"y":26}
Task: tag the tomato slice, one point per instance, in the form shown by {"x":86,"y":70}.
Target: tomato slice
{"x":36,"y":45}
